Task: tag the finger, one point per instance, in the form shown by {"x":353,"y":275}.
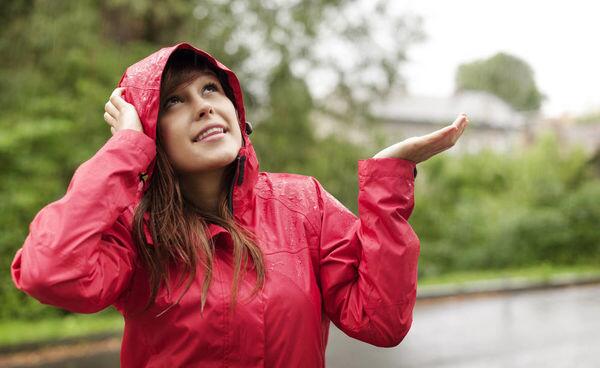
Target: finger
{"x":461,"y":124}
{"x":459,"y":120}
{"x":118,"y":91}
{"x":456,"y":129}
{"x":438,"y":134}
{"x":116,"y":98}
{"x":111,"y":109}
{"x":445,"y":137}
{"x":455,"y":125}
{"x":461,"y":130}
{"x":112,"y":130}
{"x":110,"y":120}
{"x":462,"y":127}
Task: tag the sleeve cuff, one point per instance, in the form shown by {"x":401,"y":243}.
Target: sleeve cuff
{"x":387,"y":167}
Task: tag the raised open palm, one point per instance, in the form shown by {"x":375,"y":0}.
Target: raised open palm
{"x":419,"y":149}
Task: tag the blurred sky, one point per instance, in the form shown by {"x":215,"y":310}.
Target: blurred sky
{"x":558,"y":38}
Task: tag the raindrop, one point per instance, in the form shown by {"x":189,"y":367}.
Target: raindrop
{"x":299,"y":267}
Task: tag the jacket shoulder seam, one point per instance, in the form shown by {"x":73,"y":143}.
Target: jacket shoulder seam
{"x":289,"y":208}
{"x":142,"y":88}
{"x":294,"y":251}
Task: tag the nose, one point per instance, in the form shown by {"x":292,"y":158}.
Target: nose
{"x":203,"y":108}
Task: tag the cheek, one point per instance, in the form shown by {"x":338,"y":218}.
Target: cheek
{"x":236,"y":132}
{"x":171,"y":139}
{"x":237,"y":137}
{"x":235,"y":123}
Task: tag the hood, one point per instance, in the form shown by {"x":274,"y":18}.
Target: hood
{"x":142,"y":89}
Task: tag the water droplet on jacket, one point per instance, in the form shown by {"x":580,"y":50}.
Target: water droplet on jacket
{"x":299,"y":267}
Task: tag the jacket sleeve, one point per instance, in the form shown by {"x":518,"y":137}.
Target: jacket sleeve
{"x":368,"y":265}
{"x":79,"y":251}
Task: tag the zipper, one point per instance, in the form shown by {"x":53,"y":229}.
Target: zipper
{"x":242,"y":166}
{"x":238,"y":179}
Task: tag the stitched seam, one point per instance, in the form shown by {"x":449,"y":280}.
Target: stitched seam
{"x":384,"y":176}
{"x":321,"y":204}
{"x":141,"y":88}
{"x":145,"y":107}
{"x":135,"y":145}
{"x":125,"y":295}
{"x":291,"y":209}
{"x":386,"y":305}
{"x":289,"y":251}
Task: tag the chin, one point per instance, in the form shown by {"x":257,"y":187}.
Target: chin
{"x":215,"y":163}
{"x":207,"y":158}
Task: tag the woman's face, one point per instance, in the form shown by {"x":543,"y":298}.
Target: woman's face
{"x":199,"y":126}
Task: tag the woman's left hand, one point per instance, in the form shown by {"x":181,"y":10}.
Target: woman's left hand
{"x":419,"y":149}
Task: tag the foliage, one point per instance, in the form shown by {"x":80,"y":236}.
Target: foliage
{"x":17,"y":332}
{"x":61,"y":59}
{"x":491,"y":211}
{"x":591,"y":117}
{"x":505,"y":76}
{"x":543,"y":272}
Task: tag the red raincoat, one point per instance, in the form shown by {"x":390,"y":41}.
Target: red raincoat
{"x":322,"y":262}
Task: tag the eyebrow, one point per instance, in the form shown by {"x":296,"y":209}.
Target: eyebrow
{"x":201,"y":74}
{"x":177,"y":91}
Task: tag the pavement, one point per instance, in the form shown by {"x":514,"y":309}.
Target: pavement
{"x":69,"y":352}
{"x":548,"y":327}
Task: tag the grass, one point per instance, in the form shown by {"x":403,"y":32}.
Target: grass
{"x":18,"y":332}
{"x":74,"y":325}
{"x":538,"y":273}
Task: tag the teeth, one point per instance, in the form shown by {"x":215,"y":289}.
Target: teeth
{"x":208,"y":132}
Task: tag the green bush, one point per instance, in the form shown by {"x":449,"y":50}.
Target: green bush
{"x":537,"y":205}
{"x":472,"y":212}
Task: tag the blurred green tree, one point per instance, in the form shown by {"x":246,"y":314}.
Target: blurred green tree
{"x":61,"y":59}
{"x":490,"y":210}
{"x":505,"y":76}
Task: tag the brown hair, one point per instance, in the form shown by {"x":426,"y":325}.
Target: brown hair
{"x":179,"y":230}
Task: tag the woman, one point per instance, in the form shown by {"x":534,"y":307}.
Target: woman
{"x":211,"y":262}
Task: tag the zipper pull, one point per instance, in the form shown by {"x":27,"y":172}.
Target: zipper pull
{"x":233,"y":182}
{"x":241,"y":170}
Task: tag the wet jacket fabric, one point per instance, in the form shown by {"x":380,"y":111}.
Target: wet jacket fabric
{"x":322,"y":262}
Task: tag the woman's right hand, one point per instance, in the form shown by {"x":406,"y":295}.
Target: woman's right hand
{"x":120,"y":114}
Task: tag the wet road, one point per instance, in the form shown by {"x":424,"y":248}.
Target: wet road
{"x":548,"y":328}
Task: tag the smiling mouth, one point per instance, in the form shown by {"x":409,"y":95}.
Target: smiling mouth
{"x":209,"y":133}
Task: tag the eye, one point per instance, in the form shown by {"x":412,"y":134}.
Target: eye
{"x":171,"y":101}
{"x":211,"y":86}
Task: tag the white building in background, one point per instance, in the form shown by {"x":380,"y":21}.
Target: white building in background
{"x":571,"y":133}
{"x":493,"y":123}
